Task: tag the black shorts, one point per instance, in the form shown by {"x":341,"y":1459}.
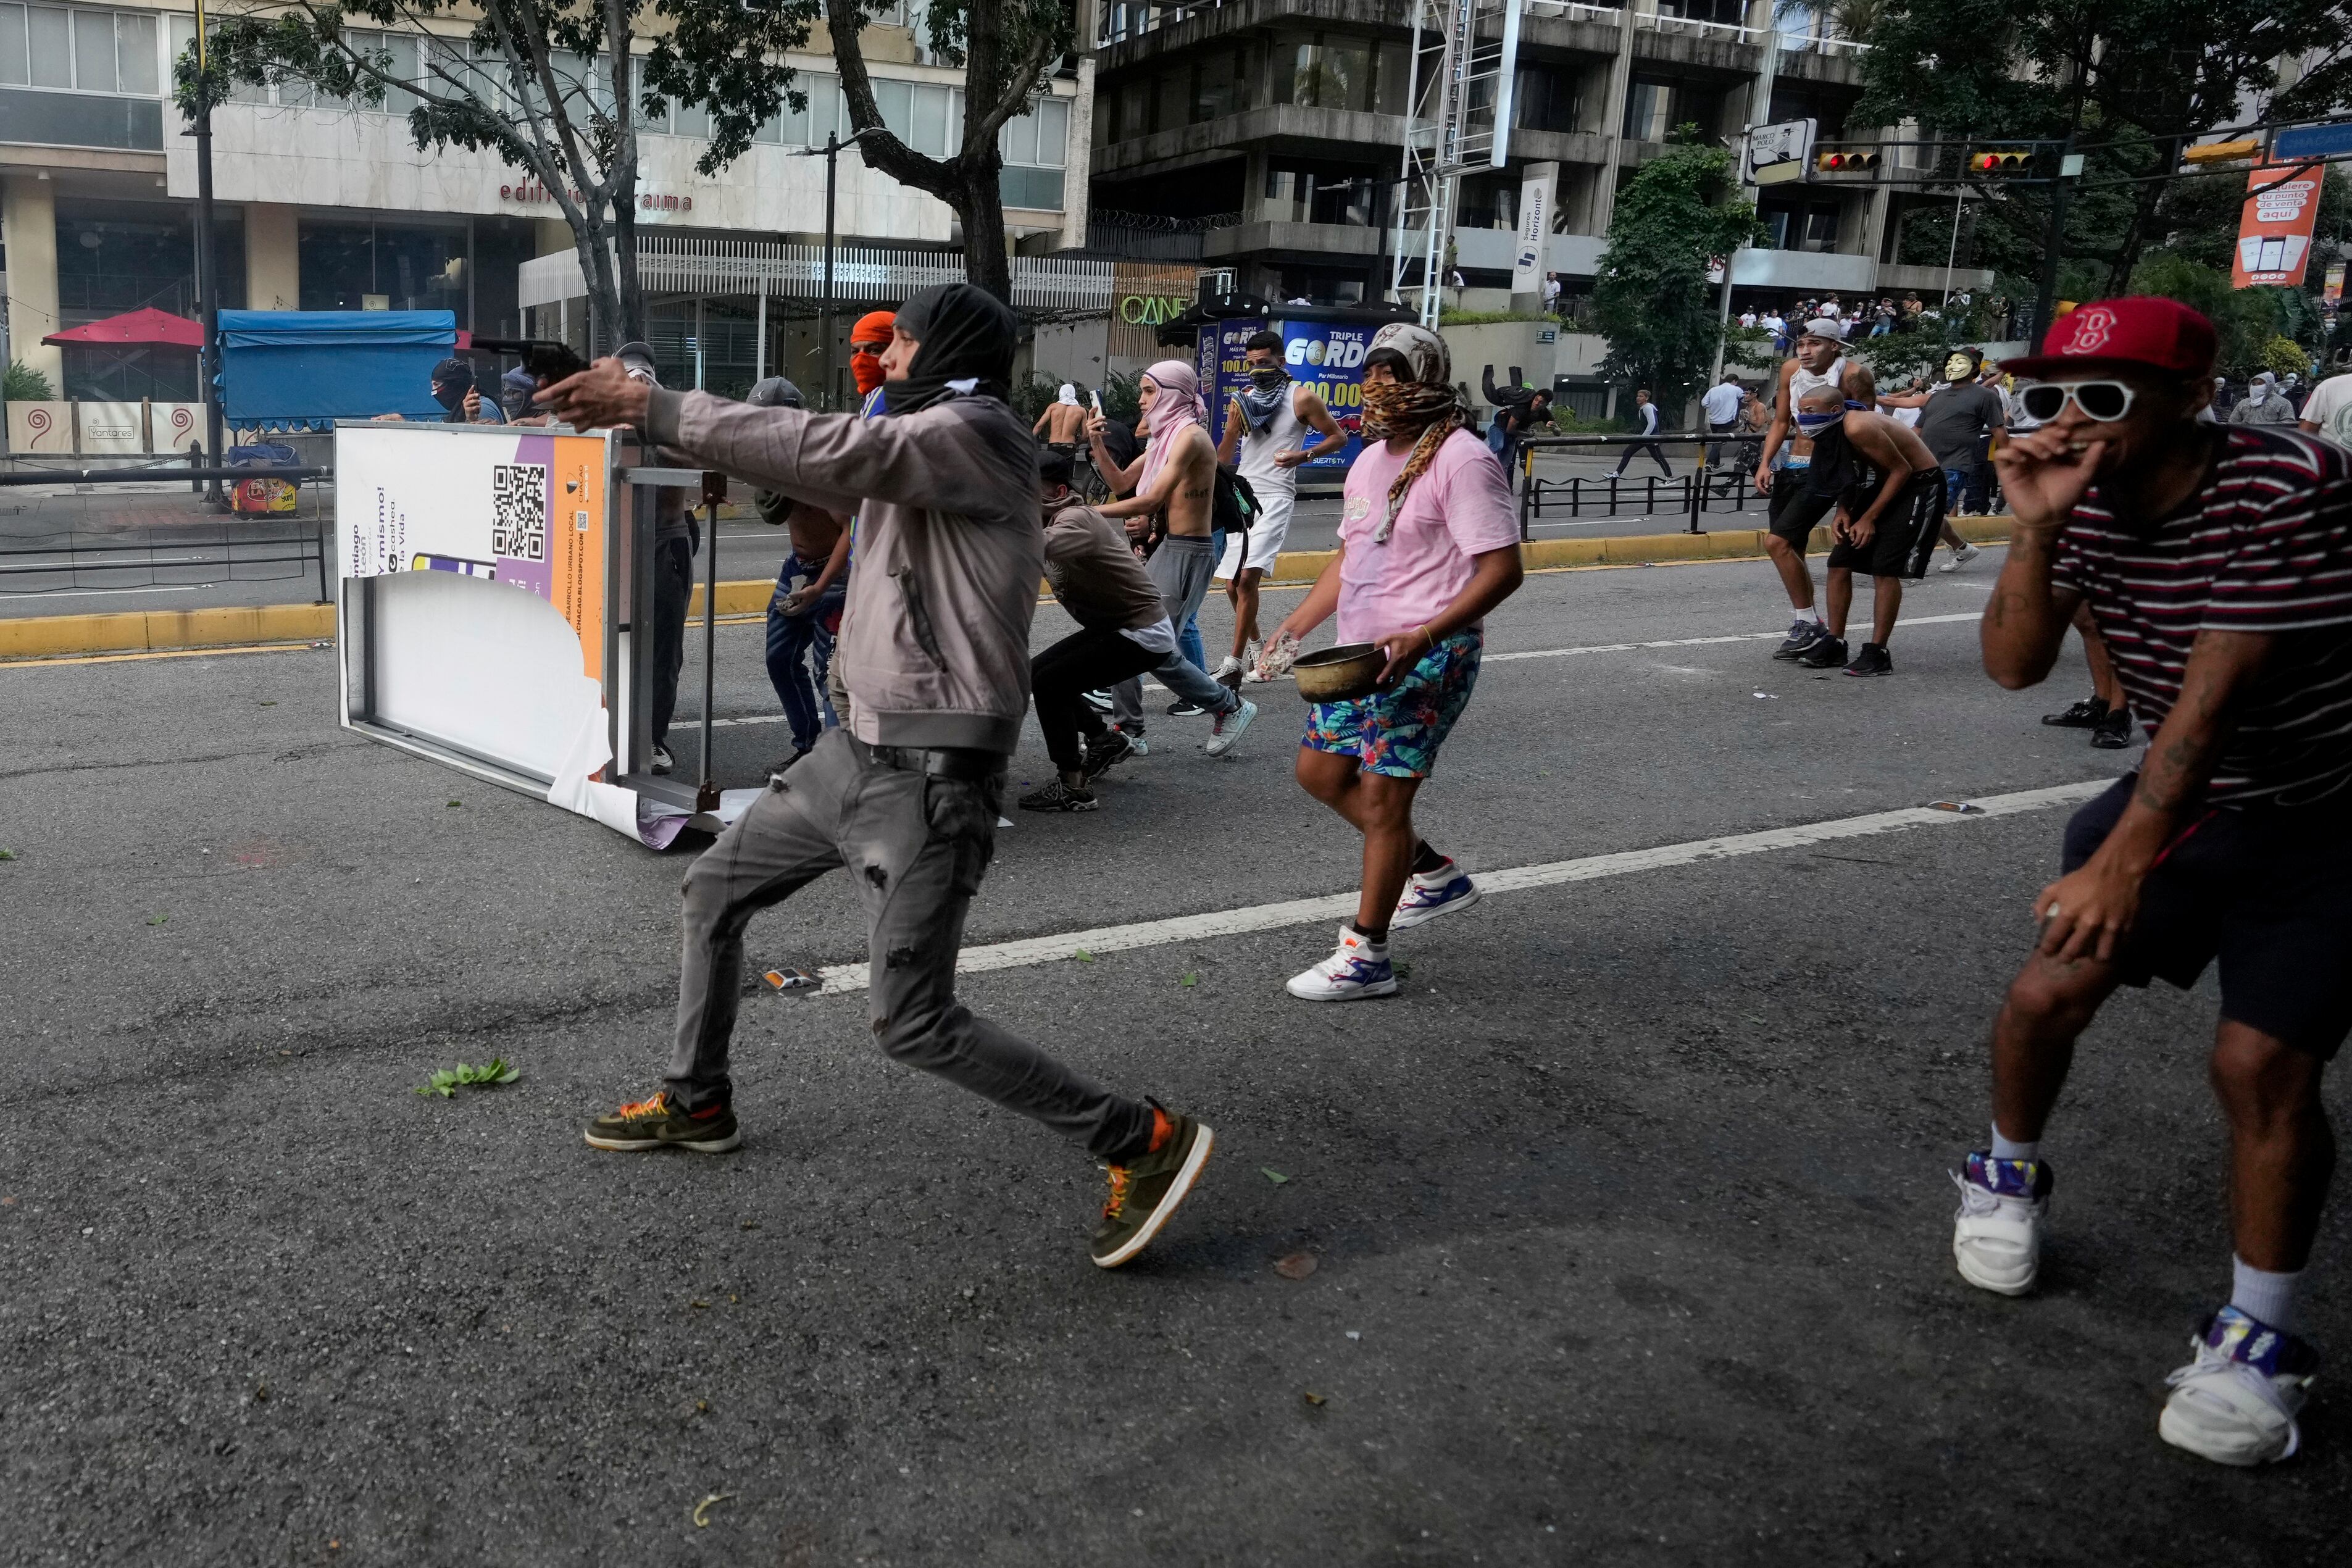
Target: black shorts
{"x":2267,"y":889}
{"x":1904,"y":538}
{"x":1794,"y":510}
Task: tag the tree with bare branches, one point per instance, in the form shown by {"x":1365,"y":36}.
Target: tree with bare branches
{"x":556,"y":87}
{"x":1007,"y":49}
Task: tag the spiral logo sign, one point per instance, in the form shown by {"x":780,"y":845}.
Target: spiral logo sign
{"x":39,"y":423}
{"x":183,"y":423}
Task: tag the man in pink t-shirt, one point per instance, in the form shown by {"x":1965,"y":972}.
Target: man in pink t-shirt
{"x":1428,"y":544}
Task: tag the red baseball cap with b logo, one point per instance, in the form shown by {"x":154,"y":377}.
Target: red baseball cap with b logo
{"x":2141,"y":330}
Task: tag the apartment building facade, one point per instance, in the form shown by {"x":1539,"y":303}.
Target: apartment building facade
{"x":1273,"y":127}
{"x":328,"y":205}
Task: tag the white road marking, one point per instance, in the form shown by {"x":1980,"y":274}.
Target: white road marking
{"x":1533,"y":653}
{"x":1039,"y":950}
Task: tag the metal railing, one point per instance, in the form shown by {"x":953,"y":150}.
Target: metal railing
{"x":195,"y":552}
{"x":1693,"y":494}
{"x":692,"y":264}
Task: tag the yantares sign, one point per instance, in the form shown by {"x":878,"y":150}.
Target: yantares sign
{"x":2274,"y":236}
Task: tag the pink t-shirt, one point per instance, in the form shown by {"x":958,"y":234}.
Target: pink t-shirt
{"x":1460,"y":507}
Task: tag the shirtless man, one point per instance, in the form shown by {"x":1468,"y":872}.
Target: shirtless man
{"x":1175,"y":479}
{"x":1889,"y":494}
{"x":1064,"y":422}
{"x":1820,"y":362}
{"x":1263,"y":431}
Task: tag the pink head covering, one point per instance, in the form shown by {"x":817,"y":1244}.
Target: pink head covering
{"x":1177,"y":404}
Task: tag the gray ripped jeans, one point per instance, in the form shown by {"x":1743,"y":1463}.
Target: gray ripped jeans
{"x":915,"y":846}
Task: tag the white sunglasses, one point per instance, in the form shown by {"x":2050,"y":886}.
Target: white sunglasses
{"x":2104,"y":401}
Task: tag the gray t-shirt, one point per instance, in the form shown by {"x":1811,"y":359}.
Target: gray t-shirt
{"x":1955,"y":421}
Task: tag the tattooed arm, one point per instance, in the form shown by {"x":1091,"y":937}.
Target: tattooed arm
{"x":2084,"y":913}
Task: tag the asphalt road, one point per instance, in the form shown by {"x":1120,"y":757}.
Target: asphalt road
{"x":1631,"y":1215}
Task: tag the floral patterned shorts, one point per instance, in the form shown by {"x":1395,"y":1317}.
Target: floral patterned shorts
{"x":1397,"y":732}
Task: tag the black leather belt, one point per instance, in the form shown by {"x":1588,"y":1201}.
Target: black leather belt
{"x":965,"y":763}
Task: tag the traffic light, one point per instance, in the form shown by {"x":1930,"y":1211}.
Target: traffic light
{"x":2220,"y":152}
{"x":1846,"y":161}
{"x":2000,"y":162}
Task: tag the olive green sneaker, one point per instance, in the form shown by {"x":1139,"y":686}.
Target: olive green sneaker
{"x":1144,"y":1194}
{"x":656,"y":1123}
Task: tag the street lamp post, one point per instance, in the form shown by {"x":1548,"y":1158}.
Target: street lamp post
{"x":207,"y":281}
{"x":832,"y":150}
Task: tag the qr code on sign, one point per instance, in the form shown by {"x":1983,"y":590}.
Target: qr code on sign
{"x":519,"y":511}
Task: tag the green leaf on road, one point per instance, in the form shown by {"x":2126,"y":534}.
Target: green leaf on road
{"x":1083,"y":957}
{"x":1190,"y":980}
{"x":1271,"y":1174}
{"x":8,"y":854}
{"x":157,"y":920}
{"x":446,"y":1081}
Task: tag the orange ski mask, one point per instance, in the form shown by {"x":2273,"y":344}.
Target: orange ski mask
{"x":865,"y":365}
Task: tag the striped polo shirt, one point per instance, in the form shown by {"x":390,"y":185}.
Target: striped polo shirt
{"x":2265,"y":546}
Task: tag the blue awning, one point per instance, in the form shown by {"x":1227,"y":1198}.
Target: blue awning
{"x":301,"y":367}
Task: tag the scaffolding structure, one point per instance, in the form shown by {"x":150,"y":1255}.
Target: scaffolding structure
{"x":1458,"y":119}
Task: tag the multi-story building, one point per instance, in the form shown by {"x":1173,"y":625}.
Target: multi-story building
{"x":326,"y":205}
{"x":1272,"y":129}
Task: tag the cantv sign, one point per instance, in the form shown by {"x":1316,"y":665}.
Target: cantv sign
{"x":1151,"y":310}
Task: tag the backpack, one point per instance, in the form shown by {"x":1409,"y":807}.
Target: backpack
{"x":1232,"y":504}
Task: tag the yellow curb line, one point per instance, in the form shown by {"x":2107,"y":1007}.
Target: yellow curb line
{"x":133,"y":634}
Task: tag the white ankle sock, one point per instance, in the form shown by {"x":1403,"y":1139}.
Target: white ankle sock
{"x":2263,"y":1295}
{"x":2009,"y":1148}
{"x":1810,"y":613}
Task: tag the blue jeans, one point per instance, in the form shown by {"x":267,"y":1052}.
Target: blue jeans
{"x":1188,"y":641}
{"x":792,"y":639}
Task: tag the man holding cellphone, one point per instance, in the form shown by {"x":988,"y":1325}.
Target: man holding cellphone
{"x":2217,"y":563}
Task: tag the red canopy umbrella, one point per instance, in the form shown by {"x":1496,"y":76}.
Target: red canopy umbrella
{"x":143,"y":327}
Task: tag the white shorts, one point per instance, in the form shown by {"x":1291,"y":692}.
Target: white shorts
{"x":1265,"y":535}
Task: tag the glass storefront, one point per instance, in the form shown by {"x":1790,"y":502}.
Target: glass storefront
{"x":383,"y":267}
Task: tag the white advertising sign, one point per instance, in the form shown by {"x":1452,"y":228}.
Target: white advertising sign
{"x":1535,"y":229}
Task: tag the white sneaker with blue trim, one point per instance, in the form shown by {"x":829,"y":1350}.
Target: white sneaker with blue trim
{"x":1357,"y":969}
{"x":1431,"y":894}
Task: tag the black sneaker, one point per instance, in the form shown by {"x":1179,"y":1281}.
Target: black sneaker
{"x":1801,"y":636}
{"x":1111,"y":747}
{"x":1827,"y":653}
{"x":1185,"y":708}
{"x":2087,"y":715}
{"x":1871,"y":660}
{"x":2113,"y":732}
{"x":656,"y":1123}
{"x":1059,"y":796}
{"x":1144,"y":1194}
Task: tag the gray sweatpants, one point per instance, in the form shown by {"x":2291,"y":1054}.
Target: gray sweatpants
{"x":1181,"y":569}
{"x":916,"y":847}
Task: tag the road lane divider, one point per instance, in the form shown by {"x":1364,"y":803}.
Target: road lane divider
{"x":1032,"y":950}
{"x":238,"y":626}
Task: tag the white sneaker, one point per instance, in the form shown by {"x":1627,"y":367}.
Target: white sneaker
{"x":1426,"y":896}
{"x":661,"y":763}
{"x":1227,"y":672}
{"x":1228,"y":727}
{"x":2236,"y":1402}
{"x":1960,"y":557}
{"x":1997,"y":1235}
{"x":1357,"y":969}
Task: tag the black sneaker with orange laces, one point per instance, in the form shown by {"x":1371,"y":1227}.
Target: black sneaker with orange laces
{"x":656,"y":1123}
{"x":1144,"y":1192}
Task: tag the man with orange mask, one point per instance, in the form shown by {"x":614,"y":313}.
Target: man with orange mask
{"x":868,"y":339}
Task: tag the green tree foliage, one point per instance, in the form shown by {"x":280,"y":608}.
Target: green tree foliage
{"x":1006,"y":50}
{"x":22,"y":384}
{"x":1652,"y":300}
{"x":2134,"y":79}
{"x":2249,"y":323}
{"x":556,"y":87}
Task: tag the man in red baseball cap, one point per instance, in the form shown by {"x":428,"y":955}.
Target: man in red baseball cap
{"x":2217,"y":563}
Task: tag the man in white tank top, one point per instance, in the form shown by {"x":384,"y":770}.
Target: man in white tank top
{"x":1820,"y":362}
{"x":1265,"y":424}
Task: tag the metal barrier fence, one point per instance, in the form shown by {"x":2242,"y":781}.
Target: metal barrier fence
{"x":195,"y":552}
{"x":1693,"y":493}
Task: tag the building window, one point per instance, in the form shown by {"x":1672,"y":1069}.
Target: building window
{"x":74,"y":50}
{"x":1324,"y":71}
{"x":1799,"y":225}
{"x":1545,"y":98}
{"x":1349,"y":199}
{"x":1220,"y":85}
{"x":1649,"y":109}
{"x":1035,"y":147}
{"x":383,"y":266}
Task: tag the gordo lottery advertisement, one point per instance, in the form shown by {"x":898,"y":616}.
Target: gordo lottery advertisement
{"x":1326,"y":357}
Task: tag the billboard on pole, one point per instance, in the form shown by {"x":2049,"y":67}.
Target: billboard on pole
{"x":2274,"y":236}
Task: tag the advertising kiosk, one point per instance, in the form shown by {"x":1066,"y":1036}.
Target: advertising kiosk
{"x":495,"y":612}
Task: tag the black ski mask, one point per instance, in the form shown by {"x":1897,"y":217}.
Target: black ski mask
{"x":967,"y":335}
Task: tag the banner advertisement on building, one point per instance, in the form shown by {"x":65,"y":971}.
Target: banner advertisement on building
{"x":2274,"y":236}
{"x":1328,"y":356}
{"x":1218,"y":360}
{"x":1535,"y":229}
{"x":2334,"y":291}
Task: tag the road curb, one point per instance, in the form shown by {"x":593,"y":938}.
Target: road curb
{"x":154,"y":631}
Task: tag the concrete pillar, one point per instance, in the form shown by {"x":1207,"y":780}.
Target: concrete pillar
{"x":1621,"y":83}
{"x":29,"y":227}
{"x":273,"y":257}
